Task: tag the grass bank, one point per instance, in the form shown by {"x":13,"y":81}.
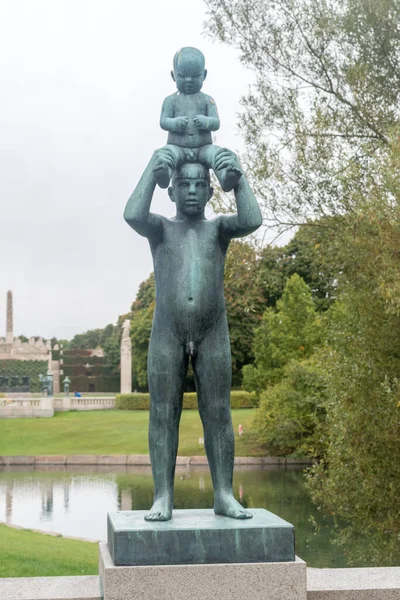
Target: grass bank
{"x":24,"y":553}
{"x":110,"y":432}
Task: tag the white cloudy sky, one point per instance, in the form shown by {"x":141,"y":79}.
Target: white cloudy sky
{"x":82,"y":82}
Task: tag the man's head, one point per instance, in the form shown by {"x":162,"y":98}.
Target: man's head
{"x":189,"y":72}
{"x":190,"y":189}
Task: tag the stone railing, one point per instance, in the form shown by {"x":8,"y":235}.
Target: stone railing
{"x":13,"y":408}
{"x":322,"y":584}
{"x":84,"y":403}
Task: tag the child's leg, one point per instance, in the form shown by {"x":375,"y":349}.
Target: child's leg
{"x":163,"y":173}
{"x":228,"y":177}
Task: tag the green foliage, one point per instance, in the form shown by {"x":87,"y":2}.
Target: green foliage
{"x":324,"y":106}
{"x":359,"y":479}
{"x":141,"y":401}
{"x":244,"y":303}
{"x":290,"y":332}
{"x":25,"y":368}
{"x":141,"y":323}
{"x":291,"y":415}
{"x":93,"y":338}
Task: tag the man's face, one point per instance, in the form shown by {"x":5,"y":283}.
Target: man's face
{"x":189,"y":75}
{"x":190,"y":191}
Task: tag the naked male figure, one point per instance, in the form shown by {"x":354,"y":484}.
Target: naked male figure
{"x":190,"y":320}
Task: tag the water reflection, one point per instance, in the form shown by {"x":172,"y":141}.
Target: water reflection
{"x":74,"y":501}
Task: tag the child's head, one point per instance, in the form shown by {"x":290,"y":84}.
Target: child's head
{"x":189,"y":72}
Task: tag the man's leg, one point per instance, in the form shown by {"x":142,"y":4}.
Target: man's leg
{"x":167,"y":366}
{"x":213,"y":373}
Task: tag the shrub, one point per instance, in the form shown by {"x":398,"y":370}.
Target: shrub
{"x":138,"y":401}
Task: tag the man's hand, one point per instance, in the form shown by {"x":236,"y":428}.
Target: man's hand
{"x":180,"y":124}
{"x":201,"y":122}
{"x":226,"y":159}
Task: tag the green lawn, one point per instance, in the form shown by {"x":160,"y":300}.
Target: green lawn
{"x":109,"y":432}
{"x":24,"y":553}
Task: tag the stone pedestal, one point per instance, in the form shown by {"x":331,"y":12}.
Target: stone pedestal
{"x":256,"y":581}
{"x":199,"y":555}
{"x":198,"y":537}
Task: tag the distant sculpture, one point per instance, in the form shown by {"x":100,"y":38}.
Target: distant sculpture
{"x":190,"y":320}
{"x":126,"y":358}
{"x":190,"y":116}
{"x":47,"y":384}
{"x":66,"y":384}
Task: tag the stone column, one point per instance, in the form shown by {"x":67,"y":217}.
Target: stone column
{"x":9,"y":327}
{"x":126,"y":359}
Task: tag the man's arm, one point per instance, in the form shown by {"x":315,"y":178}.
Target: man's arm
{"x":137,"y":211}
{"x":248,"y":217}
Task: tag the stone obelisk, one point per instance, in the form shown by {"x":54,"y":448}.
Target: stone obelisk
{"x":9,"y":326}
{"x":126,"y":359}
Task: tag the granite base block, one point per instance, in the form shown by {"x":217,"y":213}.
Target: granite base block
{"x":258,"y":581}
{"x":199,"y":537}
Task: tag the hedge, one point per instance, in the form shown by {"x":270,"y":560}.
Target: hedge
{"x":102,"y":383}
{"x":137,"y":401}
{"x":25,"y":368}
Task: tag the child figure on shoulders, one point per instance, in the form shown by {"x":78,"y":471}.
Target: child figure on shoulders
{"x":190,"y":116}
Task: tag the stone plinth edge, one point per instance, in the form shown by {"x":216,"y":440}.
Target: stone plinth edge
{"x":198,"y":536}
{"x":378,"y":583}
{"x":50,"y":588}
{"x":258,"y":581}
{"x":143,"y":460}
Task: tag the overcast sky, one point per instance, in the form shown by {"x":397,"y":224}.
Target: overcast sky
{"x":82,"y":83}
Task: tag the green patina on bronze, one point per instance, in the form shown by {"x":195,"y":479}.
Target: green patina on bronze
{"x":199,"y":537}
{"x":190,"y":321}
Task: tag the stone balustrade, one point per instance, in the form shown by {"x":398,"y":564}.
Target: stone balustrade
{"x":14,"y":408}
{"x":85,"y":403}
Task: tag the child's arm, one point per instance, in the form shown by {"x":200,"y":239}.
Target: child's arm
{"x":248,"y":217}
{"x":137,"y":211}
{"x":209,"y":121}
{"x":167,"y":120}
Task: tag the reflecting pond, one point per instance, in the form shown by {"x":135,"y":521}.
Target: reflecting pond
{"x":74,"y":501}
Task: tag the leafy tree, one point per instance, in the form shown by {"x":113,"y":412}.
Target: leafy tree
{"x":323,"y":110}
{"x":244,"y":303}
{"x":141,"y":323}
{"x":291,"y":415}
{"x":112,"y":353}
{"x":309,"y":254}
{"x":359,"y":479}
{"x":290,"y":332}
{"x":90,"y":339}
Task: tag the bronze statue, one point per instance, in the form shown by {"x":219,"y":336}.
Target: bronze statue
{"x":190,"y":320}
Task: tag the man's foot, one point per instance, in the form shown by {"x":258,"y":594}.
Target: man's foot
{"x":229,"y":178}
{"x":160,"y":511}
{"x":225,"y":504}
{"x":162,"y":175}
